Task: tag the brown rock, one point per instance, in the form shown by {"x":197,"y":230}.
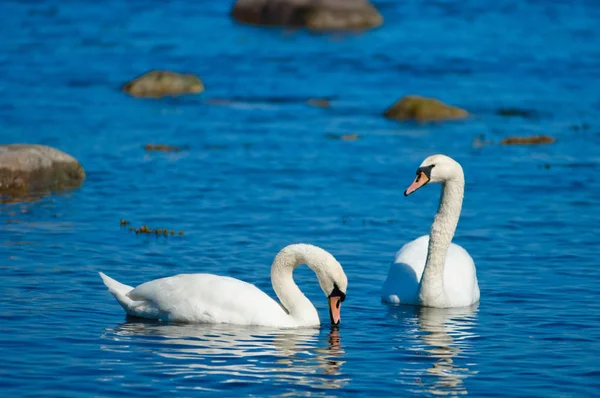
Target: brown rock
{"x":414,"y":107}
{"x":534,"y":139}
{"x":156,"y":84}
{"x":313,"y":14}
{"x":29,"y":168}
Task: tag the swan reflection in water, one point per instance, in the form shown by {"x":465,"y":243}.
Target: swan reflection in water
{"x":444,"y":335}
{"x":215,"y":355}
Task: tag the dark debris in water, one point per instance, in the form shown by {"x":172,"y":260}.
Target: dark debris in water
{"x":319,"y":102}
{"x":161,"y":147}
{"x":215,"y":147}
{"x":582,"y":127}
{"x":342,"y":137}
{"x":479,"y":141}
{"x":531,"y":140}
{"x":517,"y":112}
{"x":144,"y":229}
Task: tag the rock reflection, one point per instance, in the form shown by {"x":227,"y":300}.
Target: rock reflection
{"x":446,"y":336}
{"x":218,"y":355}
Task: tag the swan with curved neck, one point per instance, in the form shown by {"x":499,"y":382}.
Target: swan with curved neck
{"x":431,"y":270}
{"x":208,"y":298}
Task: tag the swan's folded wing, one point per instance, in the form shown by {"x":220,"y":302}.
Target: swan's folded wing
{"x":208,"y":298}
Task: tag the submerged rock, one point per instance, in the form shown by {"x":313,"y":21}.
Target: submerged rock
{"x":534,"y":139}
{"x":29,"y":168}
{"x":156,"y":84}
{"x":313,"y":14}
{"x":415,"y":107}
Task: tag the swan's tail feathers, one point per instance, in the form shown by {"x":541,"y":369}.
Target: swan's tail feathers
{"x":113,"y":286}
{"x":118,"y":290}
{"x":139,"y":308}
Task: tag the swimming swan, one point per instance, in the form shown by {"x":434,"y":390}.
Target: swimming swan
{"x":208,"y":298}
{"x":435,"y":272}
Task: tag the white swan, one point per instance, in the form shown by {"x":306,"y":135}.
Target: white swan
{"x":208,"y":298}
{"x":435,"y":272}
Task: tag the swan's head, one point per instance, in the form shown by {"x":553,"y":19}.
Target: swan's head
{"x":333,"y":282}
{"x":436,"y":168}
{"x":331,"y":276}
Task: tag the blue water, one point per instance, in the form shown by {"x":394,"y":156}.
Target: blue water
{"x":260,"y":173}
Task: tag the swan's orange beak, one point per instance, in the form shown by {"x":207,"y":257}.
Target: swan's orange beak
{"x":335,"y":305}
{"x":420,"y":181}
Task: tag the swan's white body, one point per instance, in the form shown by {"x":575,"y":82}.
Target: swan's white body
{"x":200,"y":298}
{"x":208,"y":298}
{"x":460,"y":280}
{"x":435,"y":272}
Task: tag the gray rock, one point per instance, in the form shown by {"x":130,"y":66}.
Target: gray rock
{"x":159,"y":83}
{"x":313,"y":14}
{"x":28,"y":168}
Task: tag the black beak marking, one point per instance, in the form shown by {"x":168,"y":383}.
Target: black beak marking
{"x":336,"y":292}
{"x":425,"y":170}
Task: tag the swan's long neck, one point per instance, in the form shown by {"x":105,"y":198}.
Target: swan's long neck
{"x":440,"y":237}
{"x":298,"y":306}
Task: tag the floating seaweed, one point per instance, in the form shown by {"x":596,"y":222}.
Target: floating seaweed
{"x":144,"y":229}
{"x":534,"y":139}
{"x":161,"y":147}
